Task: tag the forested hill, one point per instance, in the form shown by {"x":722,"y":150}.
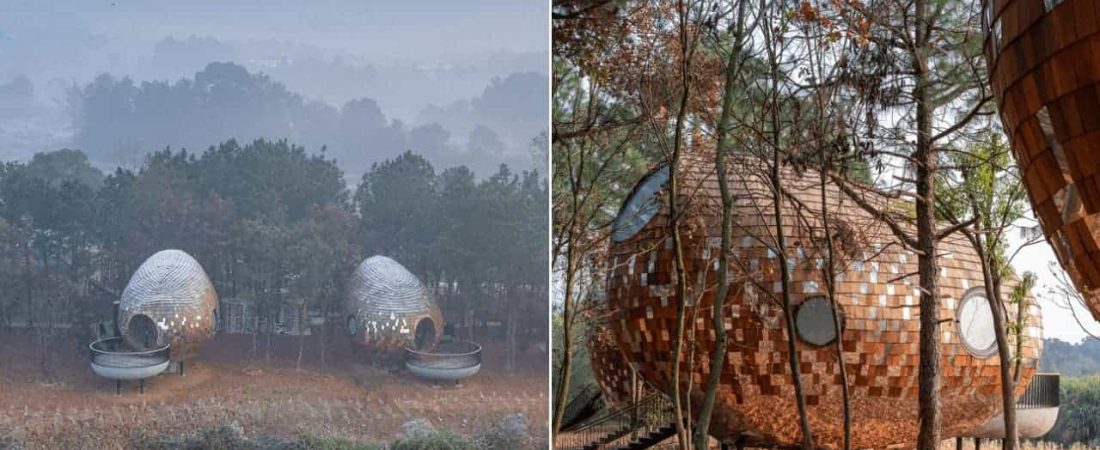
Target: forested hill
{"x":269,"y":221}
{"x":118,"y":121}
{"x":1071,"y":359}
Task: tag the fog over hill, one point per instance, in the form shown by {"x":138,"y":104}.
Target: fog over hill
{"x":118,"y":79}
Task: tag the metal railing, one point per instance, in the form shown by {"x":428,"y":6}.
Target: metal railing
{"x":113,"y":352}
{"x":448,"y":354}
{"x":1043,"y":392}
{"x":586,"y":403}
{"x":648,"y":415}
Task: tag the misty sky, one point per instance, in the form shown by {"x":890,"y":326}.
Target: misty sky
{"x":430,"y":31}
{"x":478,"y":69}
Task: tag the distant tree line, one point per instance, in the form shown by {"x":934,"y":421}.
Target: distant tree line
{"x":269,"y":222}
{"x":1071,"y":360}
{"x":1079,"y":414}
{"x":116,"y":120}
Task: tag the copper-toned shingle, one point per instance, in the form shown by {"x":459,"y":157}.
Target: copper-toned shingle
{"x":1044,"y":62}
{"x":876,"y":290}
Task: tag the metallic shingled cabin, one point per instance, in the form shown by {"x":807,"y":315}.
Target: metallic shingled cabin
{"x":389,"y":309}
{"x":876,"y":293}
{"x":1044,"y":66}
{"x":169,"y":300}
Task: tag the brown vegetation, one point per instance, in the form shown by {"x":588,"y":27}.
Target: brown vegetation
{"x":346,"y":399}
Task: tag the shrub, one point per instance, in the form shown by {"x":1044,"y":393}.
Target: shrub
{"x":310,"y":442}
{"x":439,"y":440}
{"x":510,"y":433}
{"x":1079,"y":414}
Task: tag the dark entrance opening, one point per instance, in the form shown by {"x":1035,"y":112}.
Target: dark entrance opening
{"x":425,"y":334}
{"x":142,"y":332}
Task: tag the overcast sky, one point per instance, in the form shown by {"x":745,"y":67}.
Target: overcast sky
{"x":424,"y":30}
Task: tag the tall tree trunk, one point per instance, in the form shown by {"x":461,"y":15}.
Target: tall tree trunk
{"x":683,"y":435}
{"x":560,"y":397}
{"x":928,"y":438}
{"x":788,"y":312}
{"x":775,"y":136}
{"x":718,"y":355}
{"x":830,"y":284}
{"x":301,"y":348}
{"x":323,"y":338}
{"x":510,"y":341}
{"x":996,"y":305}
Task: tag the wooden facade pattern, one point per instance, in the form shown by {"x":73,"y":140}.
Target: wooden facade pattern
{"x":172,"y":290}
{"x":878,"y":301}
{"x":1044,"y":62}
{"x":386,"y":305}
{"x":609,"y":367}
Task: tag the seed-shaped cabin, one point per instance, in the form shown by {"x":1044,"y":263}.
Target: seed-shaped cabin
{"x":169,"y":300}
{"x":1044,"y":63}
{"x":876,"y":293}
{"x":609,"y":368}
{"x":389,"y":309}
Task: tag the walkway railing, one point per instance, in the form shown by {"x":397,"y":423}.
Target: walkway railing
{"x":586,"y":403}
{"x":649,"y":414}
{"x":1043,"y":392}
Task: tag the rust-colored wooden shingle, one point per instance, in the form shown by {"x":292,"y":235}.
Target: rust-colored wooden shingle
{"x":1045,"y":73}
{"x":879,"y":302}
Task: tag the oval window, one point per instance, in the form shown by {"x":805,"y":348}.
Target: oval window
{"x":641,"y":206}
{"x":814,"y":321}
{"x":974,"y":320}
{"x":353,"y":326}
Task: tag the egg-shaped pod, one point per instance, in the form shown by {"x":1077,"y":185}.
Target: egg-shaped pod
{"x":877,"y":300}
{"x":168,"y":301}
{"x":1043,"y":59}
{"x":388,"y":309}
{"x":610,"y":370}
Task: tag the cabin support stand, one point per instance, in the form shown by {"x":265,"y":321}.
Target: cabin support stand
{"x":118,"y":386}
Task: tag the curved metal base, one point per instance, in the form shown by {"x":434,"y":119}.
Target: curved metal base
{"x":112,"y":360}
{"x":140,"y":371}
{"x":443,"y":373}
{"x":1030,"y":423}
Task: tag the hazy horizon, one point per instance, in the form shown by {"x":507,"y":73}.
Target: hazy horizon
{"x":422,"y":63}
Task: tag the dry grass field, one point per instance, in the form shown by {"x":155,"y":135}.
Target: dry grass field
{"x":347,"y":400}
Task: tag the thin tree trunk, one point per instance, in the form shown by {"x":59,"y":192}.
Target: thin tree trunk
{"x":718,"y":355}
{"x":301,"y":347}
{"x":1021,"y":309}
{"x":781,"y":247}
{"x":788,"y":313}
{"x":928,"y":437}
{"x":683,"y":435}
{"x":1008,"y":386}
{"x":830,"y":283}
{"x":324,"y":335}
{"x":566,"y":344}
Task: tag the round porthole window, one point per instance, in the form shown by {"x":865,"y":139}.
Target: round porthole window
{"x":974,"y":320}
{"x":641,"y":206}
{"x":814,"y":321}
{"x":353,"y":326}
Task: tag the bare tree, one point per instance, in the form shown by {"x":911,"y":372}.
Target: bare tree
{"x":585,"y":165}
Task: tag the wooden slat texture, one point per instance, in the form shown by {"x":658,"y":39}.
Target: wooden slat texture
{"x":172,"y":290}
{"x":879,"y":302}
{"x":1045,"y":69}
